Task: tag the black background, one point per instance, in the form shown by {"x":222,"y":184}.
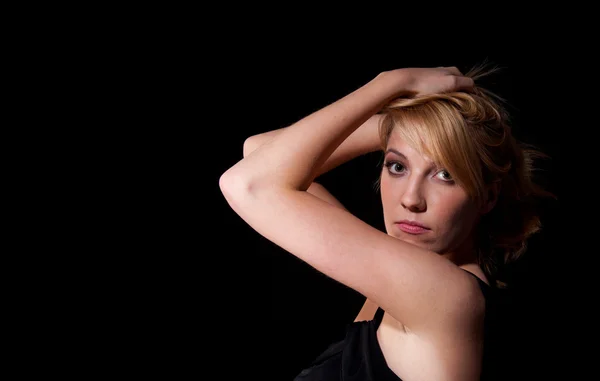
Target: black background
{"x":178,"y":283}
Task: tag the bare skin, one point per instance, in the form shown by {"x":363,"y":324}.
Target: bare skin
{"x":434,"y":310}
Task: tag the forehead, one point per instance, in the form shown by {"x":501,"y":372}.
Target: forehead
{"x":396,"y":143}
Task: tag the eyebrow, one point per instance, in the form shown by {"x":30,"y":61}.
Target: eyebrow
{"x":402,"y":155}
{"x":396,"y":152}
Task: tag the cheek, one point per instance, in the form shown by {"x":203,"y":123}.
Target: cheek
{"x":459,"y":217}
{"x":453,"y":212}
{"x":384,"y":190}
{"x":389,"y":203}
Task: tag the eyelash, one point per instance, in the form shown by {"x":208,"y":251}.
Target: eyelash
{"x":389,"y":164}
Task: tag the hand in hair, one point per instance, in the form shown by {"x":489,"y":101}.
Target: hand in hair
{"x":425,"y":81}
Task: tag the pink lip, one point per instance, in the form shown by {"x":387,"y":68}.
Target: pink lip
{"x":411,"y":228}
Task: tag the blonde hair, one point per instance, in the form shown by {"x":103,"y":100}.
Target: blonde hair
{"x":469,"y":135}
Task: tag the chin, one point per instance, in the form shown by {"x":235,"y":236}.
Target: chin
{"x":416,"y":242}
{"x":409,"y":240}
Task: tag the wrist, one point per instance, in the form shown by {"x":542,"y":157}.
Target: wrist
{"x":394,"y":82}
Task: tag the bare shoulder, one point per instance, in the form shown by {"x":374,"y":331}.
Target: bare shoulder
{"x":472,"y":301}
{"x":462,"y":338}
{"x":414,"y":285}
{"x":452,"y":349}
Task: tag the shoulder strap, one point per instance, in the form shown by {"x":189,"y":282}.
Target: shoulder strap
{"x":378,"y":317}
{"x":485,"y":288}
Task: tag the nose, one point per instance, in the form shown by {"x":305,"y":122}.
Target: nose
{"x":413,"y":198}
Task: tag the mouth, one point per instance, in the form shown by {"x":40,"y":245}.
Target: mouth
{"x":411,"y":228}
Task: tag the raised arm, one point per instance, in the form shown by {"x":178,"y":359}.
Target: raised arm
{"x":321,"y":133}
{"x":365,"y":139}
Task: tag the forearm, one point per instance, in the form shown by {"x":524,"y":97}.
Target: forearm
{"x":295,"y":156}
{"x":363,"y":140}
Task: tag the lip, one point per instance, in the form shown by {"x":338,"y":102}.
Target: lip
{"x":411,"y":227}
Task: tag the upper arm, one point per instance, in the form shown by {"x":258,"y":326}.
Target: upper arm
{"x":414,"y":285}
{"x":321,"y":192}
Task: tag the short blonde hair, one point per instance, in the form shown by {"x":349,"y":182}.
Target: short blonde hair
{"x":469,"y":135}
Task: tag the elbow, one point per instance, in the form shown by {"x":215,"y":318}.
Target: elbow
{"x":229,"y":180}
{"x":227,"y":185}
{"x":230,"y":183}
{"x":237,"y":191}
{"x":235,"y":186}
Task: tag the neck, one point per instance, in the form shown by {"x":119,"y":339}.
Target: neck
{"x":466,"y":257}
{"x":463,"y":255}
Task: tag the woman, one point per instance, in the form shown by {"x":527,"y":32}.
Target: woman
{"x":457,"y":199}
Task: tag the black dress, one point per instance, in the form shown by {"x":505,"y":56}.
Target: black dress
{"x":358,"y":357}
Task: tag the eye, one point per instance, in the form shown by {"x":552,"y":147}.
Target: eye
{"x":397,"y":168}
{"x":447,"y":176}
{"x":395,"y":165}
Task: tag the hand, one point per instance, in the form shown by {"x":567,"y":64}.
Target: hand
{"x":424,"y":81}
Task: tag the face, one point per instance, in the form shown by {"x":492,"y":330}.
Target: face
{"x":413,"y":188}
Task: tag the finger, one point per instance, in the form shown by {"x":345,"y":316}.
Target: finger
{"x":454,"y":70}
{"x":464,"y":83}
